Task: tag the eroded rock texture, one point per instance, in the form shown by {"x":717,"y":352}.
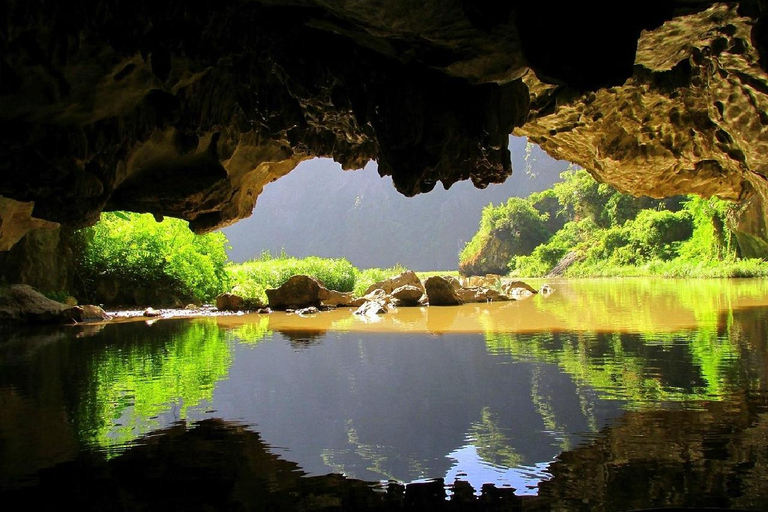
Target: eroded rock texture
{"x":691,"y":119}
{"x":189,"y":111}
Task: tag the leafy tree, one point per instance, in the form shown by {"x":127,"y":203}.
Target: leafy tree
{"x":138,"y":252}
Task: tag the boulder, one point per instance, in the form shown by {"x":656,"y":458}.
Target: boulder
{"x":297,"y":292}
{"x":372,"y":308}
{"x":86,"y":313}
{"x":442,"y":291}
{"x":230,"y":302}
{"x":408,"y":277}
{"x":481,"y":294}
{"x":337,"y":299}
{"x":518,"y":289}
{"x":407,"y":295}
{"x":20,"y":303}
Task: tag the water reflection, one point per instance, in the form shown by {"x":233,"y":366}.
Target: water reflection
{"x":474,"y":394}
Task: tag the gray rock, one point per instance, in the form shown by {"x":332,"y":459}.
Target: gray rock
{"x":20,"y":303}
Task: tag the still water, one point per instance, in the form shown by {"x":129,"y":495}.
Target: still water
{"x":605,"y":395}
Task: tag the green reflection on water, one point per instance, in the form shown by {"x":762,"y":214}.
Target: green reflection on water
{"x":491,"y":442}
{"x":132,"y":383}
{"x":629,"y":366}
{"x":630,"y":362}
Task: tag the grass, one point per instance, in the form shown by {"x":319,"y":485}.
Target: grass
{"x":250,"y":279}
{"x":677,"y":268}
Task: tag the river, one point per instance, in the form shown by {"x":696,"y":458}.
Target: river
{"x":614,"y":394}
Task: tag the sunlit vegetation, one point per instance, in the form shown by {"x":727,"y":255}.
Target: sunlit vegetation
{"x":252,"y":278}
{"x":607,"y":233}
{"x":138,"y":252}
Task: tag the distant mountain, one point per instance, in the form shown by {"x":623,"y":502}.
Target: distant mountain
{"x":319,"y":209}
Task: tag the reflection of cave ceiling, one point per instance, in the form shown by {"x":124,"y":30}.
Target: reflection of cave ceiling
{"x":189,"y":111}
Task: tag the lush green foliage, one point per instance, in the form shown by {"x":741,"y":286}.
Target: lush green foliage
{"x":137,"y":251}
{"x":251,"y":278}
{"x":517,"y":221}
{"x":609,"y":233}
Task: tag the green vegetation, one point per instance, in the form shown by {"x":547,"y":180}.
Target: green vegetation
{"x":136,"y":252}
{"x":132,"y":383}
{"x":251,"y":279}
{"x":606,"y":233}
{"x":523,"y":225}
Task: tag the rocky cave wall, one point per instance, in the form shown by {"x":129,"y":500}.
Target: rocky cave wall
{"x":188,"y":111}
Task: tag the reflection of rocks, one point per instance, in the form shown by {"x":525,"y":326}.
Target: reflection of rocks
{"x":303,"y":338}
{"x":715,"y":457}
{"x":215,"y":465}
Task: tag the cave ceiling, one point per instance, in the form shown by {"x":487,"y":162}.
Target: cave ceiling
{"x":188,"y":110}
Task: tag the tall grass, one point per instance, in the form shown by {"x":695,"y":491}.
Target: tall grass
{"x":252,"y":278}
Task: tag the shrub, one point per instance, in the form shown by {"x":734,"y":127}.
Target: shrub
{"x":251,"y":278}
{"x":139,"y":252}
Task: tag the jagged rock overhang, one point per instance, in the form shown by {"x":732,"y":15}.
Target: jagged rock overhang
{"x":189,"y":111}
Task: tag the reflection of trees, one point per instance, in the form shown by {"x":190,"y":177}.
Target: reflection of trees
{"x":376,"y":458}
{"x":492,"y":444}
{"x":643,"y":305}
{"x":251,"y":333}
{"x":702,"y":364}
{"x":131,"y":382}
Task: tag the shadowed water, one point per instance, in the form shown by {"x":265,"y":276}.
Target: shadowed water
{"x":605,"y":395}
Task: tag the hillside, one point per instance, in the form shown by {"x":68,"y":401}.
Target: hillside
{"x":321,"y":210}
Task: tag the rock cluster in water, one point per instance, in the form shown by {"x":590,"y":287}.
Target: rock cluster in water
{"x":403,"y":290}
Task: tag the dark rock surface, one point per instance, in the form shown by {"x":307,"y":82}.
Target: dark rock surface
{"x":188,"y":110}
{"x":22,"y":304}
{"x":297,"y":292}
{"x":442,"y":292}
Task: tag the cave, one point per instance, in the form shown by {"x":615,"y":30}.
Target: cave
{"x":187,"y":110}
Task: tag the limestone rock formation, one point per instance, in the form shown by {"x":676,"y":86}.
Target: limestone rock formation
{"x":690,"y":119}
{"x":408,"y":294}
{"x":20,"y":303}
{"x":188,"y":110}
{"x":442,"y":291}
{"x":229,"y":302}
{"x":406,"y":278}
{"x":297,"y":292}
